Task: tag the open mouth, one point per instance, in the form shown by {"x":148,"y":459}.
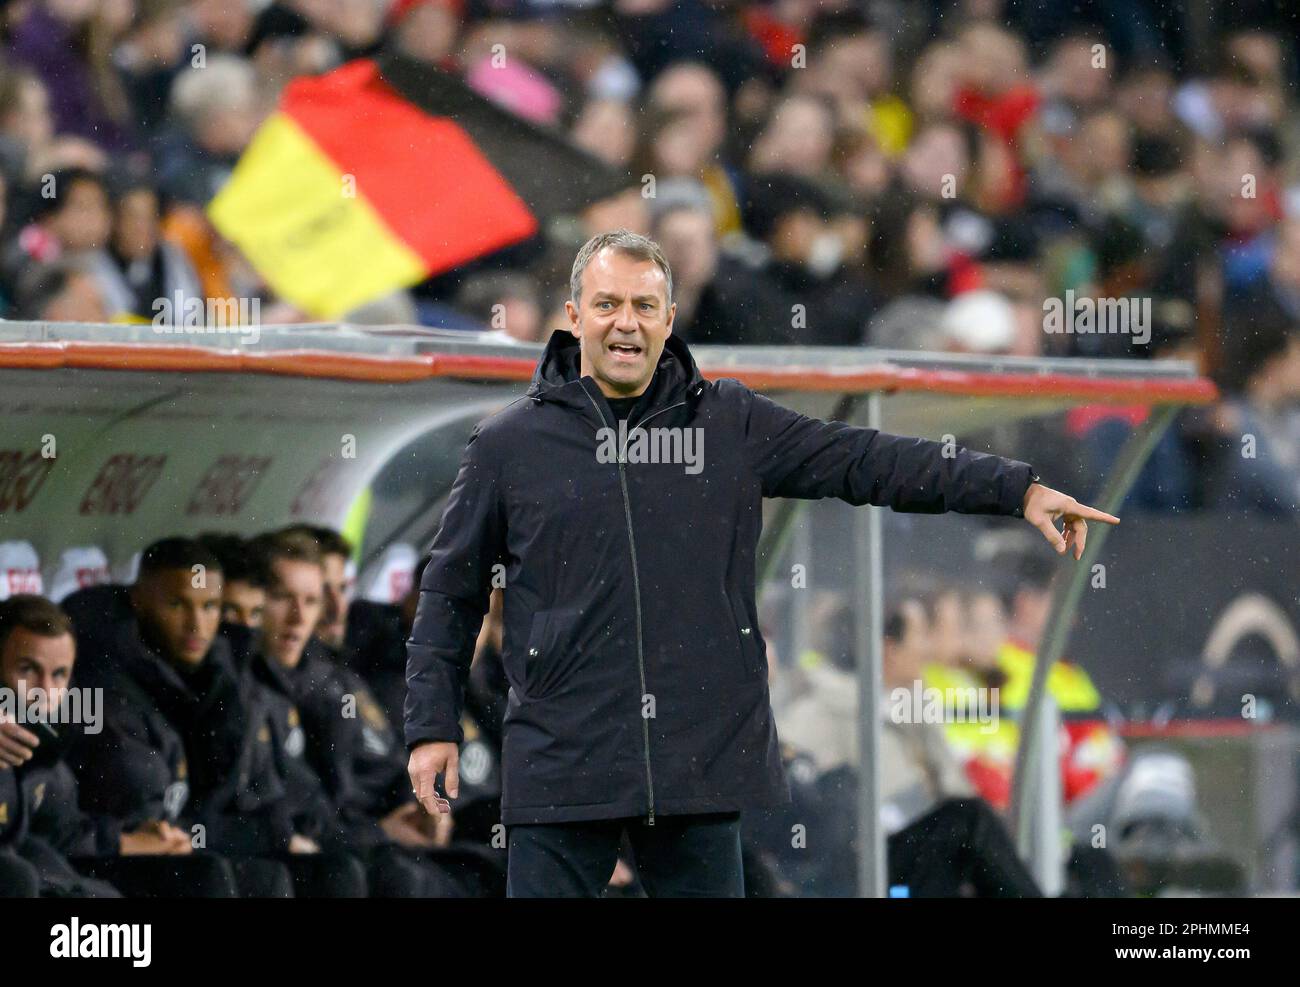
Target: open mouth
{"x":625,"y":351}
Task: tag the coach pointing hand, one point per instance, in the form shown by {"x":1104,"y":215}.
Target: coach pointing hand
{"x":638,"y":697}
{"x":1043,"y":506}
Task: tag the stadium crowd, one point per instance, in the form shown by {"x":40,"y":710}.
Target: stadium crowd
{"x":915,"y":176}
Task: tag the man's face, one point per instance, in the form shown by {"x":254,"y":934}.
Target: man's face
{"x":688,"y":241}
{"x":623,"y":322}
{"x":945,"y":637}
{"x":1030,"y":609}
{"x":333,"y":624}
{"x":136,"y":231}
{"x":242,"y":603}
{"x":906,"y":656}
{"x":937,"y":151}
{"x":180,"y":618}
{"x":696,"y":97}
{"x":33,"y":661}
{"x":986,"y":629}
{"x":84,"y":221}
{"x":295,"y":600}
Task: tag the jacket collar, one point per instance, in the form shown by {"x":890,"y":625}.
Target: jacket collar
{"x":172,"y":690}
{"x":558,"y":378}
{"x":289,"y":681}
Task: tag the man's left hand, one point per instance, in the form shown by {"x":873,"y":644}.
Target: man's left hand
{"x":1044,"y":506}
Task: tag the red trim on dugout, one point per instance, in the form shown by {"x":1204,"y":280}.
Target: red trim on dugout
{"x":1192,"y":729}
{"x":378,"y":369}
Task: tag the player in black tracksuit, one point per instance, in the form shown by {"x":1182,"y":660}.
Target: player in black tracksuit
{"x":75,"y":852}
{"x":336,"y":769}
{"x":362,"y":763}
{"x":37,"y":654}
{"x":178,"y":744}
{"x":373,"y":662}
{"x":189,"y":740}
{"x":18,"y":878}
{"x":81,"y":855}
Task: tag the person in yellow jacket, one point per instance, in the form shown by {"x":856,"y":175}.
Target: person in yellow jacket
{"x":967,"y":631}
{"x":993,"y":655}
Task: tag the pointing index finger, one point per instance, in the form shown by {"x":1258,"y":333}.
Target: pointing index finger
{"x":1092,"y":514}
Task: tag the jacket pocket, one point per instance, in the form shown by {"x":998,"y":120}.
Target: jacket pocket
{"x":752,"y":654}
{"x":537,"y":652}
{"x":550,"y":657}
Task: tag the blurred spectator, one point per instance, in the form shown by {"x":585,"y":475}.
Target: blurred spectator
{"x":142,"y":277}
{"x":59,"y":292}
{"x":506,"y":303}
{"x":827,"y":302}
{"x":215,"y":109}
{"x":719,"y":298}
{"x":1259,"y":462}
{"x":149,"y":55}
{"x":70,"y":218}
{"x":607,"y":128}
{"x":69,"y":44}
{"x":798,"y":139}
{"x":29,"y":146}
{"x":943,"y":842}
{"x":426,"y":29}
{"x":689,"y":104}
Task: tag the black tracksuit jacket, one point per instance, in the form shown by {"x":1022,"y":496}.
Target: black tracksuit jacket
{"x":188,"y":747}
{"x":341,"y":784}
{"x":637,"y":673}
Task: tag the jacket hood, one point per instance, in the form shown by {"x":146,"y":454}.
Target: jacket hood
{"x":558,"y":376}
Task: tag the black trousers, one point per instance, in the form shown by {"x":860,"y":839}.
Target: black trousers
{"x":694,"y":856}
{"x":962,"y":842}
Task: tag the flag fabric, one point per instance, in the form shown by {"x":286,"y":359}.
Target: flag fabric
{"x":385,"y":172}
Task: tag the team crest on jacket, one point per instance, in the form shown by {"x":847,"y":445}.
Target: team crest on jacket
{"x":296,"y":742}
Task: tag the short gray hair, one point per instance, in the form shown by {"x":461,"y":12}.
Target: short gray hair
{"x":226,"y":82}
{"x":625,"y":242}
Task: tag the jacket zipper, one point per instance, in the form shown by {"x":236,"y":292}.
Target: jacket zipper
{"x":636,"y":591}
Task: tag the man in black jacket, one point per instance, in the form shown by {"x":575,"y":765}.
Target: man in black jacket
{"x":638,"y":694}
{"x":331,"y":737}
{"x":74,"y":851}
{"x":187,"y":735}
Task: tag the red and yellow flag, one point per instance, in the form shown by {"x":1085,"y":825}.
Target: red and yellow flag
{"x":382,"y":173}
